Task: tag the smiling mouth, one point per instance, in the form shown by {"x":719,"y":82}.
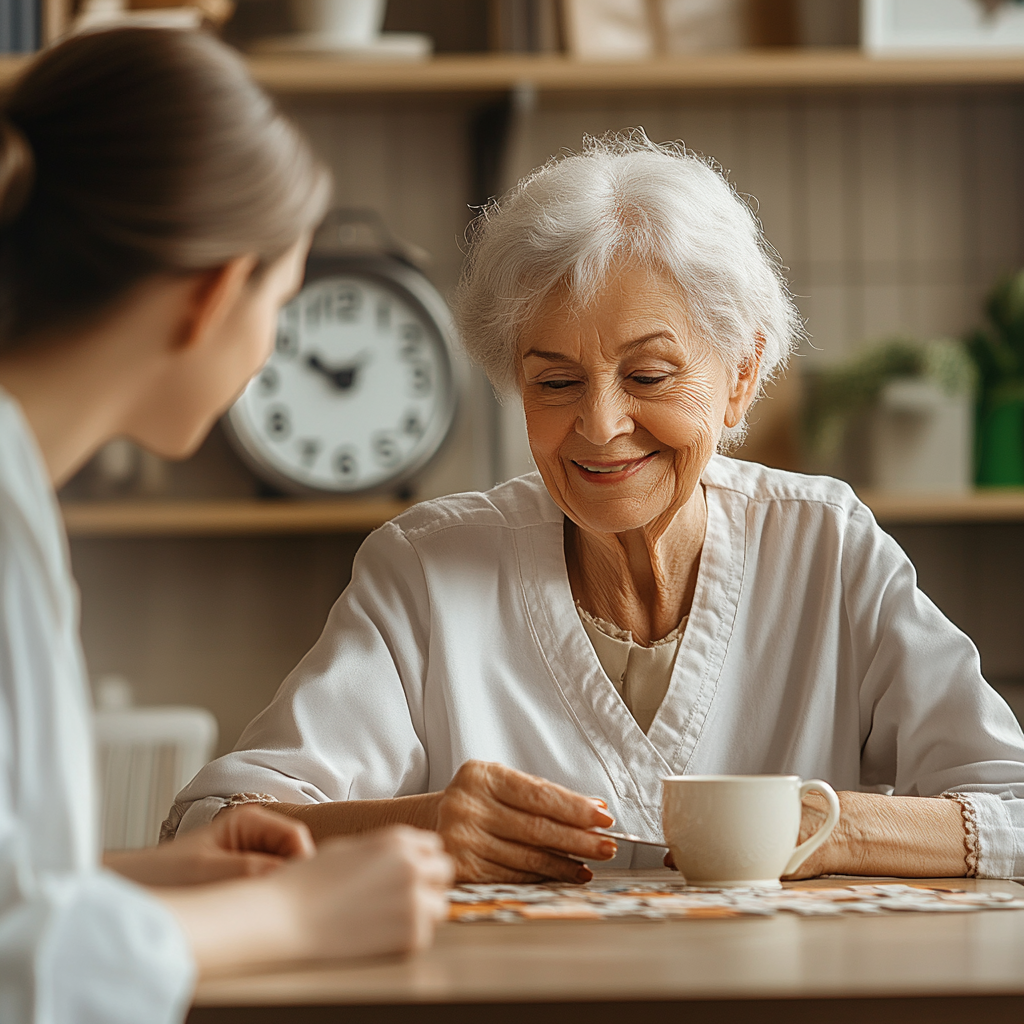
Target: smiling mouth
{"x":612,"y":468}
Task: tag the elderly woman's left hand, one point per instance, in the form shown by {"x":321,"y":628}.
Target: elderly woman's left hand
{"x":878,"y":835}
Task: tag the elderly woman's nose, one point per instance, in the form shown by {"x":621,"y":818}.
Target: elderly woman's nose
{"x":602,"y":417}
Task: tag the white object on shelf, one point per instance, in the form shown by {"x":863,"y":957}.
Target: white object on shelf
{"x":389,"y":46}
{"x":146,"y":755}
{"x":921,"y":440}
{"x":691,"y":26}
{"x":351,"y":23}
{"x":97,"y":15}
{"x":946,"y":27}
{"x":608,"y":29}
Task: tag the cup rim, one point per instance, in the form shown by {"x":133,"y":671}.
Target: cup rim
{"x":729,"y":778}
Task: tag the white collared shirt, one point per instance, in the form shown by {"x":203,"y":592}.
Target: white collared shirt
{"x":78,"y":944}
{"x":809,"y":650}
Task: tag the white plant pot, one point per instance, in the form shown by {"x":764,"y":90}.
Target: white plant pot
{"x":921,"y":440}
{"x":350,"y":23}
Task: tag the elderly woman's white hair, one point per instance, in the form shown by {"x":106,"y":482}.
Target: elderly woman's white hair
{"x":624,"y":198}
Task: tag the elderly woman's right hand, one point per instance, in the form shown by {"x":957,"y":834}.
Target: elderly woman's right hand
{"x":502,"y":825}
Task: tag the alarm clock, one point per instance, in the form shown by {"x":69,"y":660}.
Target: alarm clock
{"x":360,"y":391}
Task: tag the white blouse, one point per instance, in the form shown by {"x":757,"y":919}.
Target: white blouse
{"x":640,"y":674}
{"x":809,"y":650}
{"x":78,"y":944}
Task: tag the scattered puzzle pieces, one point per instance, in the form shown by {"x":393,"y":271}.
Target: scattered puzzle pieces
{"x":674,"y":901}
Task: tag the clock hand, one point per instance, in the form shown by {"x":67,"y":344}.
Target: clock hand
{"x":343,"y":378}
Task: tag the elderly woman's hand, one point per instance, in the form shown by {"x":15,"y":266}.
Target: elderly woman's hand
{"x":501,"y":825}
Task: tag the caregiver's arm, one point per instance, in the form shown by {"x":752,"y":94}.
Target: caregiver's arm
{"x":903,"y":836}
{"x":498,"y":824}
{"x":360,"y":896}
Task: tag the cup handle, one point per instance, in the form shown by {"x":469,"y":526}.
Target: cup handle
{"x":809,"y":845}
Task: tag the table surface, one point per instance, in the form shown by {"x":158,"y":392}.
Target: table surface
{"x":781,"y":957}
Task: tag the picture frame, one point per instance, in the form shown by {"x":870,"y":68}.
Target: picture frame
{"x":894,"y":28}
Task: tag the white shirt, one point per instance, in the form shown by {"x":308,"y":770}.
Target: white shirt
{"x":641,"y":675}
{"x":78,"y":944}
{"x":808,"y":650}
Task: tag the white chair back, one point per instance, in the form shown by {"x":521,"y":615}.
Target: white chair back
{"x":146,"y":755}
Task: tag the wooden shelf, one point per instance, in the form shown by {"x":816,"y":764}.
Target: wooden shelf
{"x":237,"y":517}
{"x":495,"y":73}
{"x":986,"y":506}
{"x":240,"y":517}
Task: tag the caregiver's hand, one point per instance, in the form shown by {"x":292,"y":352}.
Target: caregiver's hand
{"x":382,"y":892}
{"x":242,"y":842}
{"x":501,"y":825}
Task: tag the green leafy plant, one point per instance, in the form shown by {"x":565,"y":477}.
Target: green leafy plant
{"x":998,"y":348}
{"x":833,"y":395}
{"x":998,"y":352}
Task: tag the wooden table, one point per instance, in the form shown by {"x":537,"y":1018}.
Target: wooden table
{"x":896,"y":969}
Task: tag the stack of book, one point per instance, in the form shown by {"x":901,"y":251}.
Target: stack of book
{"x":20,"y":22}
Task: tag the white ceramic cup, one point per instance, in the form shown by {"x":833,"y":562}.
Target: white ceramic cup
{"x":734,"y":830}
{"x":348,"y":22}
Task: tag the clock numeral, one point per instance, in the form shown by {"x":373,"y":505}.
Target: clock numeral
{"x":386,"y":450}
{"x":412,"y":337}
{"x":383,"y":316}
{"x":287,"y":343}
{"x":313,"y":310}
{"x":412,"y":425}
{"x":279,"y":424}
{"x":345,"y":464}
{"x":348,"y":301}
{"x":309,"y":449}
{"x":421,"y":382}
{"x":268,"y":381}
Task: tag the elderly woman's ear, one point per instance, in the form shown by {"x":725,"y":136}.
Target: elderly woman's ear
{"x":744,"y":390}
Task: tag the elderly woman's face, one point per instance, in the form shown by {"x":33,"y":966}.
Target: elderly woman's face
{"x":624,"y":407}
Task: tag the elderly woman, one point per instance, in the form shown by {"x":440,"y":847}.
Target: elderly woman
{"x":513,"y":669}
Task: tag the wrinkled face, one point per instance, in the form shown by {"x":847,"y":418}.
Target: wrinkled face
{"x":624,"y":407}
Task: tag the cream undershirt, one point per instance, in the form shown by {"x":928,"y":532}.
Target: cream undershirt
{"x":641,"y":675}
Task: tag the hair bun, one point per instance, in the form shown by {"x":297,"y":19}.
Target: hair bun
{"x":17,"y":170}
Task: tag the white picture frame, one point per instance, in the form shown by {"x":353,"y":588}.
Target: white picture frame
{"x":895,"y":28}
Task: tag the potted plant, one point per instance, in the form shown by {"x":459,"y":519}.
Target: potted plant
{"x":998,"y":352}
{"x":915,"y":401}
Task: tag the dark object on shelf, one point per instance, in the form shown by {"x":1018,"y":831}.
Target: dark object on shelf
{"x":998,"y":352}
{"x":526,"y":26}
{"x":20,"y":26}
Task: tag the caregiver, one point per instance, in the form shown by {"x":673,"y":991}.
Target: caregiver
{"x":155,"y":211}
{"x":516,"y":667}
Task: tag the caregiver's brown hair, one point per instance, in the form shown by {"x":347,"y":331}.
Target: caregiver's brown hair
{"x":135,"y":152}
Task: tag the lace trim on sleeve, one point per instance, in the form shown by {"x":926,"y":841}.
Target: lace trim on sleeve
{"x":971,"y":850}
{"x":169,"y":829}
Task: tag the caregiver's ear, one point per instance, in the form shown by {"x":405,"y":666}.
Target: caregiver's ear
{"x":212,"y":297}
{"x":744,"y":387}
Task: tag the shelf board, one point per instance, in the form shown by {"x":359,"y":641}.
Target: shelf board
{"x":751,"y":69}
{"x":811,"y":68}
{"x":251,"y":516}
{"x":983,"y":506}
{"x":227,"y":517}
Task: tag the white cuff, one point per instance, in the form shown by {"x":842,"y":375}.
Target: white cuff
{"x":995,"y":838}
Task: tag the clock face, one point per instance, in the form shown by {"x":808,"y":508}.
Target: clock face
{"x":358,"y":392}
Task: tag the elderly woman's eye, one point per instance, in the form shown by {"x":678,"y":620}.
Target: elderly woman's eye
{"x":642,"y":378}
{"x":557,"y":385}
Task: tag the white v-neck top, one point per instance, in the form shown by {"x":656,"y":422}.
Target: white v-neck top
{"x":808,"y":650}
{"x":78,"y":945}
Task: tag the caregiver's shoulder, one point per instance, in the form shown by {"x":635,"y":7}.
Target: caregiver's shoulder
{"x":518,"y":504}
